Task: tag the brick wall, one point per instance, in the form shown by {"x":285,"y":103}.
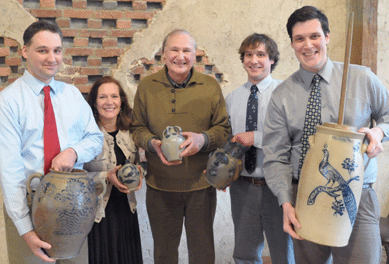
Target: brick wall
{"x":96,"y":34}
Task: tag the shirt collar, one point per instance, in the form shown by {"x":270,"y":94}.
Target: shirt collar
{"x":37,"y":85}
{"x":182,"y":85}
{"x":325,"y":73}
{"x":262,"y":85}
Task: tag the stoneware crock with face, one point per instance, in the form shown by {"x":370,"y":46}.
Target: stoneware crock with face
{"x":64,"y":209}
{"x":225,"y":164}
{"x":330,"y":185}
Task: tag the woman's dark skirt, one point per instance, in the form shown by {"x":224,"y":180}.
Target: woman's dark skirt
{"x":116,"y":239}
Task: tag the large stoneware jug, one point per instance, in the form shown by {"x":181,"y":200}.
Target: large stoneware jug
{"x":64,"y":209}
{"x":225,"y":165}
{"x":172,"y":138}
{"x":330,"y":185}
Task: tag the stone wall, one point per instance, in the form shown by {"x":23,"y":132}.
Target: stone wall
{"x":123,"y":38}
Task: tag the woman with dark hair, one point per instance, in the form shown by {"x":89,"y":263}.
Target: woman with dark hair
{"x":115,"y":236}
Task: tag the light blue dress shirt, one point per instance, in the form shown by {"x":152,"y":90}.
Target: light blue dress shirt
{"x":21,"y":137}
{"x":236,"y":103}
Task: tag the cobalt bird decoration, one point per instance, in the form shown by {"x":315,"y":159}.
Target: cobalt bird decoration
{"x":330,"y":185}
{"x":341,"y":188}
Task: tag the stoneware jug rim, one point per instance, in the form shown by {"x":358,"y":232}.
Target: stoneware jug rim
{"x":235,"y":149}
{"x":73,"y":172}
{"x":333,"y":128}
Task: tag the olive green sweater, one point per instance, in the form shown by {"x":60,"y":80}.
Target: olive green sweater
{"x":199,"y":107}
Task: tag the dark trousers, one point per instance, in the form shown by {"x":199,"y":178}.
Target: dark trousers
{"x":255,"y":212}
{"x":168,"y":211}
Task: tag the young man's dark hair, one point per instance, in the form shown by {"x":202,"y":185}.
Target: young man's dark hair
{"x":42,"y":25}
{"x":307,"y":13}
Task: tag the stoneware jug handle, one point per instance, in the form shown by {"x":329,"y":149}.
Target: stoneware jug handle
{"x":32,"y":176}
{"x":178,"y":129}
{"x":363,"y":148}
{"x":102,"y":182}
{"x":166,"y":131}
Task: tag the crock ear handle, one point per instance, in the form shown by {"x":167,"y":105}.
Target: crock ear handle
{"x":103,"y":184}
{"x":28,"y":183}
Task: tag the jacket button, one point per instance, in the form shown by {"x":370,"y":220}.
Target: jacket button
{"x":173,"y":90}
{"x":173,"y":101}
{"x":173,"y":110}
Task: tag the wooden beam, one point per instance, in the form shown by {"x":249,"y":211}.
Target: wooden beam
{"x":365,"y":44}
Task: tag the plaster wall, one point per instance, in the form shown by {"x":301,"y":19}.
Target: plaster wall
{"x":381,"y":185}
{"x":219,"y":26}
{"x":14,"y":20}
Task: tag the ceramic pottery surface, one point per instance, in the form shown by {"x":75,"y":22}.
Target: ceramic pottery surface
{"x":225,"y":164}
{"x":129,"y":175}
{"x":172,"y":138}
{"x":330,"y":185}
{"x":63,"y":210}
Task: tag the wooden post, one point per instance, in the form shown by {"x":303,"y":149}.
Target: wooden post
{"x":364,"y":50}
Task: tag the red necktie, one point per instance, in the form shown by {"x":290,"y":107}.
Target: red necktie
{"x":50,"y":135}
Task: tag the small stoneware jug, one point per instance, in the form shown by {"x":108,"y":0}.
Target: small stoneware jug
{"x":129,"y":175}
{"x":64,"y":209}
{"x":172,"y":138}
{"x":330,"y":185}
{"x":225,"y":164}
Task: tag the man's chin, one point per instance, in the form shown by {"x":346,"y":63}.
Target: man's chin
{"x":51,"y":73}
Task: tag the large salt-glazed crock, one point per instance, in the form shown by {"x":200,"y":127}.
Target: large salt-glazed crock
{"x":64,"y":209}
{"x":172,"y":138}
{"x":330,"y":185}
{"x":225,"y":164}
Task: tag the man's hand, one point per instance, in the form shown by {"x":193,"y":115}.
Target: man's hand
{"x":65,"y":160}
{"x":290,"y":220}
{"x":193,"y":143}
{"x":374,"y":136}
{"x":156,"y":143}
{"x":246,"y":138}
{"x":36,"y":246}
